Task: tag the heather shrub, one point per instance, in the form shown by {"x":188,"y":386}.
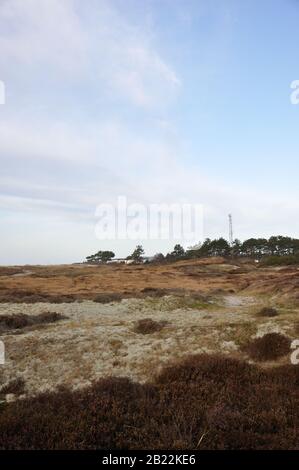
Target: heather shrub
{"x":202,"y":367}
{"x":268,"y":312}
{"x":18,"y":321}
{"x":13,"y":322}
{"x":147,"y":326}
{"x":32,"y":297}
{"x":16,"y":386}
{"x":205,"y":402}
{"x":269,"y":347}
{"x":106,"y":298}
{"x":47,"y":317}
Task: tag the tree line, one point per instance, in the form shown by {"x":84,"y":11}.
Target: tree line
{"x":257,"y":248}
{"x":106,"y":256}
{"x":252,"y":247}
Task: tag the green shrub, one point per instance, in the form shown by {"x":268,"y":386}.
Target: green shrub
{"x":280,"y":260}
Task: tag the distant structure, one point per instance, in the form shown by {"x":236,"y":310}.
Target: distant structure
{"x":231,"y":233}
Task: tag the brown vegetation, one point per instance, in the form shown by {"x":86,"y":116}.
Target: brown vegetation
{"x":269,"y":347}
{"x":268,"y":312}
{"x":148,"y":325}
{"x":16,"y":386}
{"x":206,"y":402}
{"x":10,"y":270}
{"x":32,"y":297}
{"x":204,"y":276}
{"x":106,"y":298}
{"x":21,"y":320}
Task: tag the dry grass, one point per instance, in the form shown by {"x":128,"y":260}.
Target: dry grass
{"x":70,"y":283}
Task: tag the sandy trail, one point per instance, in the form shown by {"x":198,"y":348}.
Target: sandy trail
{"x":239,"y":301}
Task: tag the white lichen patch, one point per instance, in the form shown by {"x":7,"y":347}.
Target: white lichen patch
{"x":229,"y":346}
{"x":98,"y":340}
{"x":271,"y":327}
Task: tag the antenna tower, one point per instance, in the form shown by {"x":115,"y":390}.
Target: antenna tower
{"x":231,"y":234}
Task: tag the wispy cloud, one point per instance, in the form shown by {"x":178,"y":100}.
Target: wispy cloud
{"x":98,"y":47}
{"x":47,"y":33}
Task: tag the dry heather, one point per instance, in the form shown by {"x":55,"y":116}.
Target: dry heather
{"x":15,"y":387}
{"x":205,"y":402}
{"x":147,"y":326}
{"x":268,"y":312}
{"x":18,"y":321}
{"x":269,"y":347}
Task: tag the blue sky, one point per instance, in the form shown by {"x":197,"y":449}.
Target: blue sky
{"x":160,"y":101}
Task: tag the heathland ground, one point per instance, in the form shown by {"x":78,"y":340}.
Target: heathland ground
{"x":73,"y":331}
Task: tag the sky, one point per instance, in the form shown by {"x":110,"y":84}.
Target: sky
{"x":159,"y":101}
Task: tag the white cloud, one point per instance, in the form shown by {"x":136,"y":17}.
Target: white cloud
{"x":143,"y":77}
{"x":46,"y":32}
{"x":98,"y":46}
{"x":44,"y":140}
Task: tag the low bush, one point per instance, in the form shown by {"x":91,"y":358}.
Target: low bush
{"x":147,"y":326}
{"x":107,"y":297}
{"x":18,"y":321}
{"x":268,"y":312}
{"x":287,"y":260}
{"x":47,"y":317}
{"x":32,"y":297}
{"x":13,"y":322}
{"x":269,"y":347}
{"x":16,"y":386}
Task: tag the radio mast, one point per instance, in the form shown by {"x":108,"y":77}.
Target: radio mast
{"x":231,"y":233}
